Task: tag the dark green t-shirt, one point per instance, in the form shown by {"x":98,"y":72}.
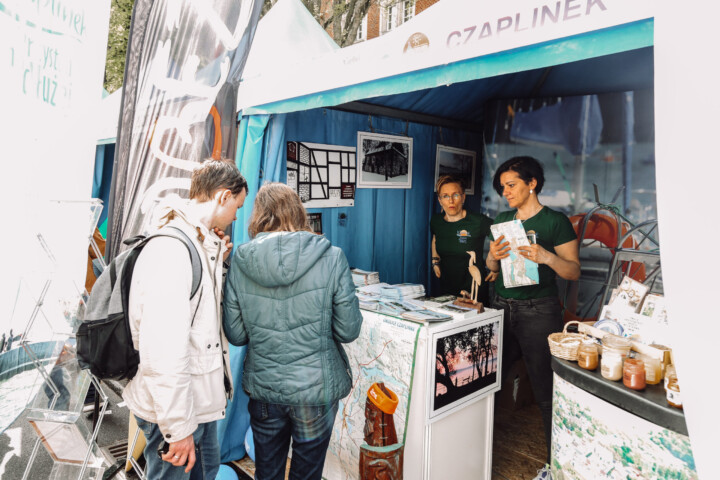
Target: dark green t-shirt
{"x":452,"y":241}
{"x":551,"y":229}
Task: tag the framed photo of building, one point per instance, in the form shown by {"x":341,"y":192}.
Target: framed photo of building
{"x":315,"y":221}
{"x":465,"y":363}
{"x":322,"y":175}
{"x":457,"y":162}
{"x":384,"y":161}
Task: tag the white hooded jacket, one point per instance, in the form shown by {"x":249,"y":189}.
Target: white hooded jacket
{"x":184,"y":377}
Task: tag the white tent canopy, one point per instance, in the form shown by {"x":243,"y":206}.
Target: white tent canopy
{"x":448,"y":32}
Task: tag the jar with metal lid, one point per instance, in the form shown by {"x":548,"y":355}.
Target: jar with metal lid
{"x":587,"y":355}
{"x":617,"y":345}
{"x":673,"y":392}
{"x":611,"y":366}
{"x":634,"y":374}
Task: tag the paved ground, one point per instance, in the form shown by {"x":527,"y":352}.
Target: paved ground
{"x":17,"y":442}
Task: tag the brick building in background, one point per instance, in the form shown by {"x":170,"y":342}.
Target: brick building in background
{"x":383,"y":16}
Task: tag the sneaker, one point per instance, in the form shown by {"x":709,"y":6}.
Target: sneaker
{"x":544,"y":473}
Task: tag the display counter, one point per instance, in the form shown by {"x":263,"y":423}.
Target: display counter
{"x":445,"y":376}
{"x":602,"y":429}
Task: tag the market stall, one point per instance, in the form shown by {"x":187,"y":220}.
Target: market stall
{"x":425,"y":98}
{"x":431,"y":411}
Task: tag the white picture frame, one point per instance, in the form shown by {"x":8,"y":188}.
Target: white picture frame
{"x":458,"y":162}
{"x":323,"y":176}
{"x":439,"y":404}
{"x":384,"y":161}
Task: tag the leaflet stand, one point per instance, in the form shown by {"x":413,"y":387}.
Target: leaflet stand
{"x":641,"y":262}
{"x":56,"y":412}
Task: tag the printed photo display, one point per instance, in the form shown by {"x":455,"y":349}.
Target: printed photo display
{"x":385,"y":161}
{"x":457,"y":162}
{"x":465,"y":364}
{"x":322,"y":175}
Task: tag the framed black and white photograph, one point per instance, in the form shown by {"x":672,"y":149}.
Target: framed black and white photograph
{"x":384,"y":161}
{"x":457,"y":162}
{"x":465,"y":364}
{"x":315,"y":221}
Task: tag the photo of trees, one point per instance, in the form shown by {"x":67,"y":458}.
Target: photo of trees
{"x":465,"y":363}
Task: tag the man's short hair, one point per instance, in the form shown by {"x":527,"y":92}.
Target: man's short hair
{"x":214,"y":175}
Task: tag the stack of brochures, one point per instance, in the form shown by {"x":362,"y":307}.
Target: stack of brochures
{"x":362,"y":277}
{"x":456,"y":311}
{"x":403,"y":290}
{"x":397,"y":307}
{"x":426,"y":316}
{"x":439,"y":301}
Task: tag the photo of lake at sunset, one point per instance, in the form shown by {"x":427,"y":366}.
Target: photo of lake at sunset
{"x":465,"y":362}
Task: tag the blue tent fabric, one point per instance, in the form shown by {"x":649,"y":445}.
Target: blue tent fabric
{"x":575,"y":124}
{"x":232,"y":429}
{"x":387,"y":229}
{"x":102,"y":176}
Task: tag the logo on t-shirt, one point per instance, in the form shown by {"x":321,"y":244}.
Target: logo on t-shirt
{"x":463,"y":236}
{"x":532,"y":237}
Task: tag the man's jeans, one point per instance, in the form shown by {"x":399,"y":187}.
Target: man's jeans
{"x":527,"y":326}
{"x":207,"y":454}
{"x":273,"y":425}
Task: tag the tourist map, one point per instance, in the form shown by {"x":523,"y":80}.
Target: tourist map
{"x":517,"y":270}
{"x":384,"y":352}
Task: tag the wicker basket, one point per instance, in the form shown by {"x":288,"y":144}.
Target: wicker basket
{"x":565,"y":345}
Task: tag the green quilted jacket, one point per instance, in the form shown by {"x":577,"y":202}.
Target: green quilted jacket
{"x":291,"y":299}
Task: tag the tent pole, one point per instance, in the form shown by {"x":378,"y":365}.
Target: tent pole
{"x":370,"y":109}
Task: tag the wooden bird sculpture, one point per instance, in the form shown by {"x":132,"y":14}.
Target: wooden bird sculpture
{"x":476,"y":276}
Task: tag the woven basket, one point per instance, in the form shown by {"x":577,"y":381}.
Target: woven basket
{"x":565,"y":345}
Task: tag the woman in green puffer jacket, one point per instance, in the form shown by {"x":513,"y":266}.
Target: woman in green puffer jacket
{"x":291,"y":299}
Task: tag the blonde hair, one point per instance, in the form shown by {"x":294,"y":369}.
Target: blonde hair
{"x":447,"y":179}
{"x":277,"y":209}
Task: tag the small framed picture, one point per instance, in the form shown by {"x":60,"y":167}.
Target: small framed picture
{"x":315,"y":220}
{"x":384,"y":161}
{"x":465,"y":363}
{"x":457,"y":162}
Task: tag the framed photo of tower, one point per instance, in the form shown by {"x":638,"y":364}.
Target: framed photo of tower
{"x":457,"y":162}
{"x":384,"y":161}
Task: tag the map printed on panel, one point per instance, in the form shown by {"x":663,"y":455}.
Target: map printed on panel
{"x":322,"y":175}
{"x":384,"y":352}
{"x":592,"y":439}
{"x":517,"y":271}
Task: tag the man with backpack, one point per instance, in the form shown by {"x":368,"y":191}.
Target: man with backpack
{"x":183,"y":380}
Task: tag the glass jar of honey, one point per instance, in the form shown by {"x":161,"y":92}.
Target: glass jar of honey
{"x":673,"y":392}
{"x":653,"y":369}
{"x":669,"y":372}
{"x":587,"y":355}
{"x":634,"y":373}
{"x":611,"y":366}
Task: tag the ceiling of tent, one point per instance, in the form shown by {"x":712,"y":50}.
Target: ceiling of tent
{"x":625,"y":71}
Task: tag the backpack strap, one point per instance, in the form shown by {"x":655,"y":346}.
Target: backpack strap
{"x":194,"y":257}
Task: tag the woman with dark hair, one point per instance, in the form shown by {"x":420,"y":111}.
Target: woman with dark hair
{"x":532,"y":312}
{"x":455,"y":232}
{"x":291,"y":299}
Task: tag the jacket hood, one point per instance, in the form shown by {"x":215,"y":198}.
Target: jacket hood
{"x":279,"y":258}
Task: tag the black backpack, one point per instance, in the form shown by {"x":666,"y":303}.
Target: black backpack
{"x":104,"y":341}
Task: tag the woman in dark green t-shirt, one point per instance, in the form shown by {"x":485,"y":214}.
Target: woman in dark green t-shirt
{"x":532,"y":312}
{"x":456,"y":232}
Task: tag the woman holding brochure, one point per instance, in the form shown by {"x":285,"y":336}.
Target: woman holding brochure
{"x":532,"y":312}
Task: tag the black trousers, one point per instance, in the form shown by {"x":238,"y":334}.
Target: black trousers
{"x":526,"y":327}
